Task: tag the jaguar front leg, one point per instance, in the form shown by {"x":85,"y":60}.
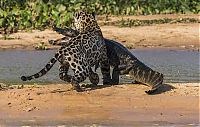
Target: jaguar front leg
{"x":93,"y":77}
{"x":105,"y":70}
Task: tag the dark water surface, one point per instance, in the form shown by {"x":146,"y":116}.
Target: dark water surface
{"x":176,"y":65}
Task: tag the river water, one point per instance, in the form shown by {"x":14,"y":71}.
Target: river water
{"x":176,"y":65}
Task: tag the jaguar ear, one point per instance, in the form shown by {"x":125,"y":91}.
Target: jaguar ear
{"x":93,"y":14}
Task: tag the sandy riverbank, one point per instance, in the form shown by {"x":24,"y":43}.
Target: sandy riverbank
{"x":179,"y":35}
{"x":120,"y":105}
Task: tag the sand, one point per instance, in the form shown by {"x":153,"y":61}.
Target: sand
{"x":119,"y":105}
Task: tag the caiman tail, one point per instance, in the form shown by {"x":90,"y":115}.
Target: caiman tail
{"x":142,"y":73}
{"x":42,"y":72}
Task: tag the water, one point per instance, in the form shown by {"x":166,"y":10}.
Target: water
{"x":176,"y":65}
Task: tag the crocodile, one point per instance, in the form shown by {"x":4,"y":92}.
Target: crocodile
{"x":122,"y":61}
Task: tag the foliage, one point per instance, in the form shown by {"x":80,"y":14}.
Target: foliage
{"x":136,"y":22}
{"x":41,"y":46}
{"x":41,"y":14}
{"x":129,"y":46}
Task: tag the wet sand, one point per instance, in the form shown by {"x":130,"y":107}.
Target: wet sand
{"x":119,"y":105}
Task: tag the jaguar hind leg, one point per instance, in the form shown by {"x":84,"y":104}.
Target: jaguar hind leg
{"x":75,"y":85}
{"x":63,"y":73}
{"x":74,"y":80}
{"x":93,"y":77}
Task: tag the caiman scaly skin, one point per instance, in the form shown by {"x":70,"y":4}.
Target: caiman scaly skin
{"x":122,"y":61}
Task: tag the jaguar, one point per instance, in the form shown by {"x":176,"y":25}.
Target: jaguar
{"x":122,"y":61}
{"x":81,"y":52}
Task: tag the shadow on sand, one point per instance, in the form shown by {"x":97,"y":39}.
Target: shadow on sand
{"x":89,"y":87}
{"x":162,"y":89}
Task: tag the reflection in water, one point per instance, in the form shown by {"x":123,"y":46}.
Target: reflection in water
{"x":176,"y":65}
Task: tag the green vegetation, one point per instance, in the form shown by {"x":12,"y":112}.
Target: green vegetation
{"x":41,"y":46}
{"x":136,"y":22}
{"x":41,"y":14}
{"x":129,"y":46}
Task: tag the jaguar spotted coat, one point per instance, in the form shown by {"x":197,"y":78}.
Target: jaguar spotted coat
{"x":81,"y":52}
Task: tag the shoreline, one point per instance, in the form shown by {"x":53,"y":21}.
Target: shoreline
{"x":135,"y":48}
{"x":31,"y":48}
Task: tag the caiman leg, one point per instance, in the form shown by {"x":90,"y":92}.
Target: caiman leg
{"x":93,"y":77}
{"x":115,"y":76}
{"x":119,"y":70}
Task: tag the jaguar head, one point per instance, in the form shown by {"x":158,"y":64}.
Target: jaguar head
{"x":85,"y":22}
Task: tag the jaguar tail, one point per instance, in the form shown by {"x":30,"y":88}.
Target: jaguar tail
{"x":42,"y":72}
